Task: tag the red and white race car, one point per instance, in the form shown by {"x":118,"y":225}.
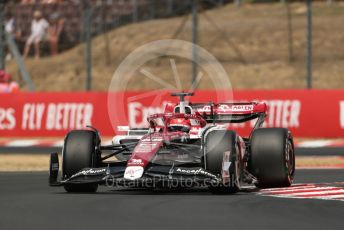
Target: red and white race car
{"x":188,"y":145}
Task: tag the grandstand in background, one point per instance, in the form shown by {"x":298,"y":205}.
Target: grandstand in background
{"x":106,"y":15}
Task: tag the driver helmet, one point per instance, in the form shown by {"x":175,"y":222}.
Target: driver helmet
{"x":179,"y":124}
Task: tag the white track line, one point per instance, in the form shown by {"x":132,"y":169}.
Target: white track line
{"x":285,"y":191}
{"x":22,"y":143}
{"x":289,"y":188}
{"x":58,"y":144}
{"x":315,"y":193}
{"x":315,"y":144}
{"x":335,"y":197}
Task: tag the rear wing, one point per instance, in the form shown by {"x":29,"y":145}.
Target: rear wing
{"x":234,"y":112}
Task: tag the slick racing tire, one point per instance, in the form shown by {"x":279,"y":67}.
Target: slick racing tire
{"x":79,"y":152}
{"x":272,"y":159}
{"x":218,"y":142}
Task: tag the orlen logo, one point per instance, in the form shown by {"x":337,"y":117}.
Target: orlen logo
{"x":242,"y":108}
{"x":341,"y":114}
{"x":138,"y":113}
{"x":281,"y":113}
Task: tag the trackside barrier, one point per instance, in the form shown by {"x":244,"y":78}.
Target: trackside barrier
{"x":307,"y":113}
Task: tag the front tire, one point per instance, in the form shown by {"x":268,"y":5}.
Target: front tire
{"x":217,"y":143}
{"x":272,"y":159}
{"x":79,"y":152}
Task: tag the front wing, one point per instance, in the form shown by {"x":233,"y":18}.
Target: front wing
{"x":154,"y":176}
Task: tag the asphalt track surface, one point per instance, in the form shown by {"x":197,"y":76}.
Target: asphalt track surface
{"x":26,"y":202}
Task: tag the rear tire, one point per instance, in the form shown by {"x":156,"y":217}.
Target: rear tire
{"x":272,"y":159}
{"x":217,"y":142}
{"x":79,"y":152}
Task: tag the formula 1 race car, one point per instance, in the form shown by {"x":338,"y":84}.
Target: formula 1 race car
{"x":188,"y":145}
